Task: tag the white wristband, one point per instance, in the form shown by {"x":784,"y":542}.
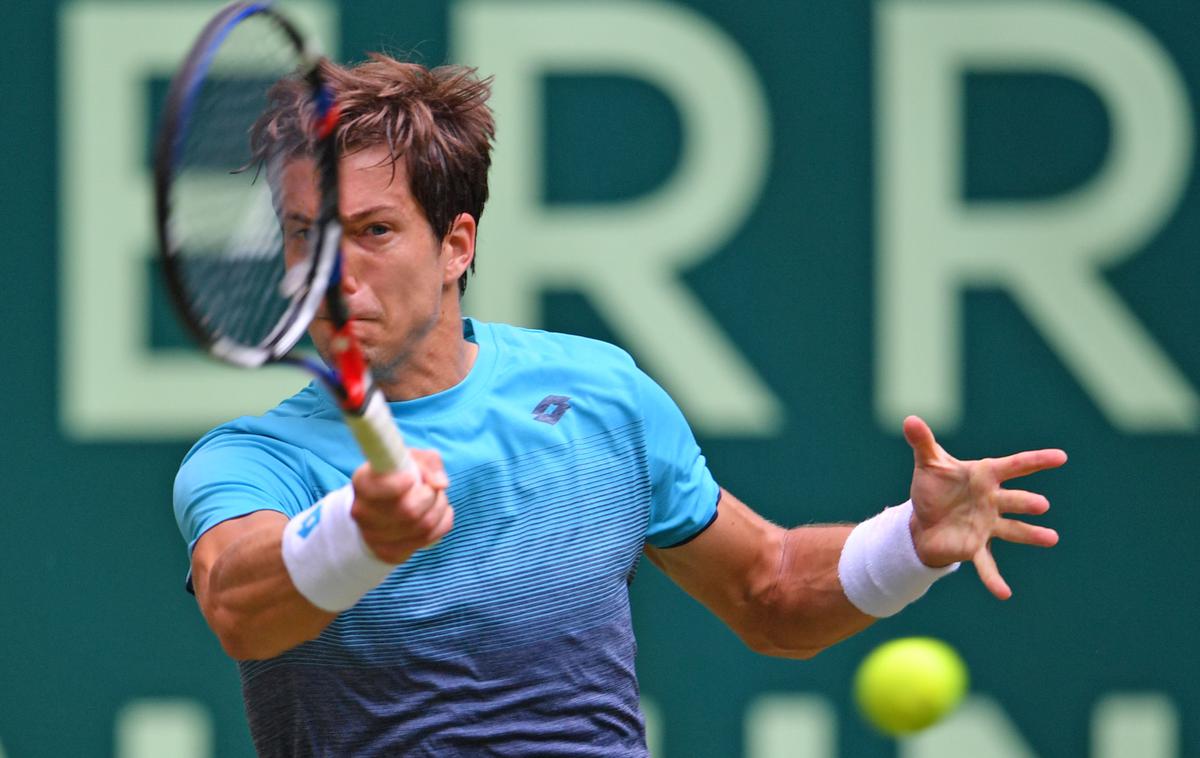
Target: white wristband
{"x":326,"y":557}
{"x":879,"y":568}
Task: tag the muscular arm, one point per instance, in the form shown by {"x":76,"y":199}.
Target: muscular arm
{"x":779,"y":589}
{"x":242,"y":583}
{"x":776,"y":588}
{"x":245,"y":592}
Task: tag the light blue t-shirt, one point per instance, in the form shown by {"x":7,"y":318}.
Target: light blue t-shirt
{"x":512,"y":635}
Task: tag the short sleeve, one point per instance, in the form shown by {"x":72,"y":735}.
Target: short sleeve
{"x":683,"y":492}
{"x":231,"y":475}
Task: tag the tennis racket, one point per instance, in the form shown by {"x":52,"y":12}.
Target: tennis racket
{"x":246,"y":190}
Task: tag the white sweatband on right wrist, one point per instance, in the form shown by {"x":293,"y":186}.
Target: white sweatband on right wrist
{"x":324,"y":552}
{"x":879,"y":567}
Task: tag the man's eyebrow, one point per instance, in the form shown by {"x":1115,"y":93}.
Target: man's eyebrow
{"x":297,"y":217}
{"x":358,"y":215}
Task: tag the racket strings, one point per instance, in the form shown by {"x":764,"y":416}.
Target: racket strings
{"x":228,"y":203}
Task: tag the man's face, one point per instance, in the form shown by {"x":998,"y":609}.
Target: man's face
{"x":394,"y":267}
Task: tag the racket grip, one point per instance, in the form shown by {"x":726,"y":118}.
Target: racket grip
{"x":379,"y":436}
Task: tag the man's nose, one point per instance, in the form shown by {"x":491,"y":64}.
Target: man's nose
{"x":350,"y":270}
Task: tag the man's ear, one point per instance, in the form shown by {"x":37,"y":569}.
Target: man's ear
{"x":458,"y":248}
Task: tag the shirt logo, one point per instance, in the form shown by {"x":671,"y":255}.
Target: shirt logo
{"x":551,"y":409}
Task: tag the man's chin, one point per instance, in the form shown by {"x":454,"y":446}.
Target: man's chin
{"x":384,"y":365}
{"x":321,"y":331}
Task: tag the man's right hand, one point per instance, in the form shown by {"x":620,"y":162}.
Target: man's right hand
{"x":397,"y":514}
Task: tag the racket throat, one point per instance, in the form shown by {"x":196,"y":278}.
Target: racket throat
{"x":351,"y":366}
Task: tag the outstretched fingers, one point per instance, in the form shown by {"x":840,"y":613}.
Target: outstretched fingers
{"x":989,"y":573}
{"x":1011,"y":530}
{"x":1021,"y":502}
{"x":1029,"y":462}
{"x":920,"y":438}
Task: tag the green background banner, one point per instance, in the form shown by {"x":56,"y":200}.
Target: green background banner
{"x":805,"y":219}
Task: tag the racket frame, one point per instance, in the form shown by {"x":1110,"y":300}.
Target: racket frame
{"x":349,"y":381}
{"x":172,"y":136}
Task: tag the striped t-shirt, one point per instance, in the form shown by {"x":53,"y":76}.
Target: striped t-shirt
{"x":512,"y":635}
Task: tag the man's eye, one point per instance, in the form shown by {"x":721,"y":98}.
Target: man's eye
{"x":300,"y":233}
{"x":377,"y":230}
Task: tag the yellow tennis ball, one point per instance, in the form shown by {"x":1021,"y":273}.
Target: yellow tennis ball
{"x":908,"y":684}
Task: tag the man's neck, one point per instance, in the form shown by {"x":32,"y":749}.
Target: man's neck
{"x":438,"y":361}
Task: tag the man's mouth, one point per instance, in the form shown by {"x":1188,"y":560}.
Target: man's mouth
{"x":349,"y":320}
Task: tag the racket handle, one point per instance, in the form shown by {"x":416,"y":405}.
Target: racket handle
{"x":379,"y":436}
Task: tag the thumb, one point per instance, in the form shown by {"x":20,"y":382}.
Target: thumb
{"x":920,"y":439}
{"x":433,"y":471}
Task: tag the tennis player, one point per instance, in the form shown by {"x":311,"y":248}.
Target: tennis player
{"x":483,"y":607}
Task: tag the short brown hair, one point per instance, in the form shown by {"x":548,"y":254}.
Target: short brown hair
{"x":437,"y":120}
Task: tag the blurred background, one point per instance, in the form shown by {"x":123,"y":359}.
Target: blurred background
{"x":805,"y":219}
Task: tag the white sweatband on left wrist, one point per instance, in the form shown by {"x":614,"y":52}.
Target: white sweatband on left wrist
{"x":324,"y":552}
{"x":879,"y":567}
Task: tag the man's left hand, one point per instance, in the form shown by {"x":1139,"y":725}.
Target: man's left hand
{"x":959,"y":506}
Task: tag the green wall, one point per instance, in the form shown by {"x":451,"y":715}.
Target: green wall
{"x":806,"y":219}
